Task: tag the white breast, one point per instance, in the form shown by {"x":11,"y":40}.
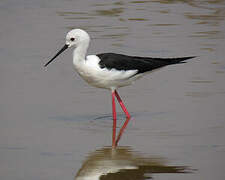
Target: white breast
{"x":91,"y":72}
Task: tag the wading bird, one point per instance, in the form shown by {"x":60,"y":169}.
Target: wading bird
{"x":109,"y":70}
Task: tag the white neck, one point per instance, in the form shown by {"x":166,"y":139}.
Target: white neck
{"x":79,"y":52}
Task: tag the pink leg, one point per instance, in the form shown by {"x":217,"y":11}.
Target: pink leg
{"x":122,"y":129}
{"x":122,"y":105}
{"x":127,"y":119}
{"x":114,"y":120}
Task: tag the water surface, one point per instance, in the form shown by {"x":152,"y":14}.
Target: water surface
{"x":51,"y":120}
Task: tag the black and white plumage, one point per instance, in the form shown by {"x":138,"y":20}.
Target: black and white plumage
{"x":142,"y":64}
{"x":110,"y":70}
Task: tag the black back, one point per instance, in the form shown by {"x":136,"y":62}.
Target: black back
{"x":142,"y":64}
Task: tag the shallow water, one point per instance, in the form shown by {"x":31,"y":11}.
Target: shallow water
{"x":51,"y":121}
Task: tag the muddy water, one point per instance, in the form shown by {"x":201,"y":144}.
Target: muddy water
{"x":52,"y":123}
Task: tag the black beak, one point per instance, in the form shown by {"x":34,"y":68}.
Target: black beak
{"x":58,"y":53}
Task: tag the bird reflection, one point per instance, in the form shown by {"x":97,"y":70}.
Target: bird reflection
{"x":122,"y":163}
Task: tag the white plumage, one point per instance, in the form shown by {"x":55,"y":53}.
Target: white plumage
{"x":91,"y":72}
{"x":110,"y":70}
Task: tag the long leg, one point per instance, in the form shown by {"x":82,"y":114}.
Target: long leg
{"x":122,"y":130}
{"x":114,"y":119}
{"x":127,"y":119}
{"x":122,"y":105}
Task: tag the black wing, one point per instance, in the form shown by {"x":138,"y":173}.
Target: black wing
{"x":142,"y":64}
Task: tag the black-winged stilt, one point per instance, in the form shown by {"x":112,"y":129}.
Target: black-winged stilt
{"x":110,"y":70}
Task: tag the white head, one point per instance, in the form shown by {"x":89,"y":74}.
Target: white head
{"x":76,"y":38}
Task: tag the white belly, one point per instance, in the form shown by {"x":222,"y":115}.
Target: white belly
{"x":90,"y":71}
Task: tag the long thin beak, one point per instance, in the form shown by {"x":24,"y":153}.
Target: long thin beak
{"x":58,"y":53}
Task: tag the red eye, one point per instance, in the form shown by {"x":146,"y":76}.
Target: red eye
{"x":72,"y":39}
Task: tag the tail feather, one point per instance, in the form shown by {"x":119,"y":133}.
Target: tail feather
{"x":155,"y":63}
{"x":179,"y":60}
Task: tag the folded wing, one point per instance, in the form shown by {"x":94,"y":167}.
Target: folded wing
{"x":142,"y":64}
